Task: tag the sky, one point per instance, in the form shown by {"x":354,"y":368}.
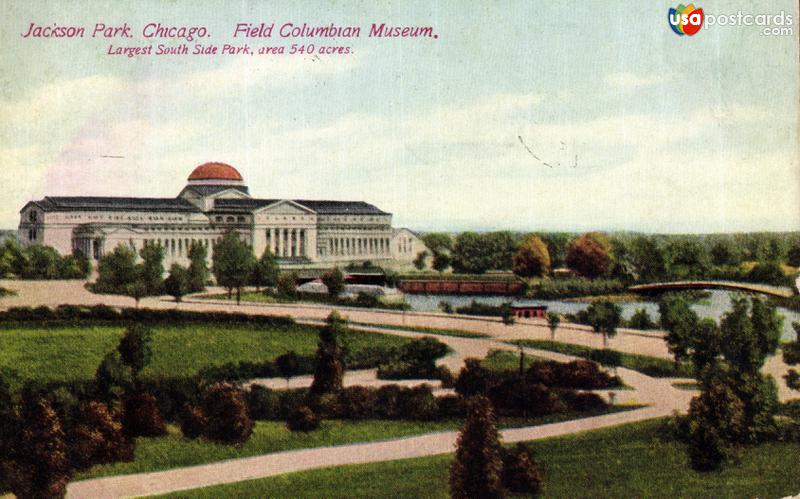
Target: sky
{"x":520,"y":115}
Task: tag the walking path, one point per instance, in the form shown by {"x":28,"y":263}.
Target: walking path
{"x":659,"y":395}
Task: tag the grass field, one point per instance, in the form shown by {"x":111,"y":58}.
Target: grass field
{"x":652,"y":366}
{"x":626,"y":461}
{"x":73,"y":353}
{"x":174,"y":451}
{"x":499,"y":360}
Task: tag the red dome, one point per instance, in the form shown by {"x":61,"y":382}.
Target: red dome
{"x":215,"y":171}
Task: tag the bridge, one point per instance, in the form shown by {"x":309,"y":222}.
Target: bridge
{"x":747,"y":287}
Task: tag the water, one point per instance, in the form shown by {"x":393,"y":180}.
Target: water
{"x":712,"y":307}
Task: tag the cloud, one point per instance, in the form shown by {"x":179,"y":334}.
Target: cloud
{"x":627,"y":81}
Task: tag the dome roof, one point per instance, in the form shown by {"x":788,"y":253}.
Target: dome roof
{"x":215,"y":171}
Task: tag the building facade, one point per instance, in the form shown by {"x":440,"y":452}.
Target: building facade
{"x":214,"y":201}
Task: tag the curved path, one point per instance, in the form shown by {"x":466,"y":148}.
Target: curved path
{"x":661,"y":397}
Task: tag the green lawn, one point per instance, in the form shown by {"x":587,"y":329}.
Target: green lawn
{"x":652,"y":366}
{"x":174,"y":451}
{"x":74,"y":352}
{"x":499,"y":360}
{"x":626,"y":461}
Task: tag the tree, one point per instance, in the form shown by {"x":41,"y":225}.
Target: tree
{"x":116,"y":270}
{"x":588,"y":256}
{"x":438,"y":242}
{"x":706,"y":347}
{"x":507,"y":314}
{"x":532,"y":258}
{"x":791,"y":355}
{"x":604,"y":317}
{"x":233,"y":263}
{"x":641,"y":320}
{"x":441,"y":261}
{"x":136,"y":348}
{"x":266,"y":271}
{"x":37,"y":464}
{"x":136,"y":290}
{"x":648,"y":259}
{"x":553,"y":321}
{"x":793,"y":255}
{"x":178,"y":283}
{"x":724,"y":252}
{"x":419,"y":261}
{"x":42,"y":263}
{"x":334,"y":281}
{"x":151,"y":270}
{"x":680,"y":321}
{"x":475,"y":253}
{"x":112,"y":377}
{"x":716,"y":425}
{"x":329,"y":370}
{"x":477,"y":470}
{"x":688,"y":259}
{"x":198,"y":270}
{"x":287,"y":285}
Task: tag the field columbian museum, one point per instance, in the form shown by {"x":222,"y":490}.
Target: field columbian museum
{"x":214,"y":201}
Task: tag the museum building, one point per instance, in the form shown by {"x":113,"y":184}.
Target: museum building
{"x":214,"y":201}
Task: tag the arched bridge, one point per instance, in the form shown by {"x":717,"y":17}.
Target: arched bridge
{"x":661,"y":287}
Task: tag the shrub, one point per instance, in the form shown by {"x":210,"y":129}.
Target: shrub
{"x":474,"y":379}
{"x":329,"y":371}
{"x":451,"y":406}
{"x":583,"y":401}
{"x":224,"y":406}
{"x":98,"y":437}
{"x":511,"y":397}
{"x":641,"y":320}
{"x":478,"y":467}
{"x":388,"y":402}
{"x":302,"y":418}
{"x":521,"y":473}
{"x":262,"y":403}
{"x":582,"y":374}
{"x":357,"y":402}
{"x":193,"y":422}
{"x":577,"y":286}
{"x":291,"y":400}
{"x":141,"y":416}
{"x":445,"y":375}
{"x":418,"y":403}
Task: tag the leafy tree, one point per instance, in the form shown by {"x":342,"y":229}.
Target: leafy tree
{"x":438,"y":242}
{"x":793,"y":255}
{"x":475,"y":253}
{"x":198,"y":270}
{"x":768,"y":273}
{"x":680,"y":321}
{"x":441,"y":262}
{"x":641,"y":320}
{"x":116,"y":270}
{"x":724,"y":252}
{"x":688,"y":259}
{"x":288,"y":365}
{"x":42,"y":263}
{"x":136,"y":347}
{"x":151,"y":270}
{"x":706,"y":347}
{"x":233,"y":263}
{"x":532,"y":259}
{"x":287,"y":285}
{"x":553,"y":321}
{"x":556,"y":247}
{"x":334,"y":281}
{"x":477,"y":470}
{"x":648,"y":259}
{"x":419,"y":261}
{"x":791,"y":355}
{"x":178,"y":283}
{"x":329,"y":371}
{"x":716,"y":426}
{"x":507,"y":314}
{"x":588,"y":256}
{"x":604,"y":317}
{"x":136,"y":290}
{"x":266,"y":270}
{"x":37,"y":463}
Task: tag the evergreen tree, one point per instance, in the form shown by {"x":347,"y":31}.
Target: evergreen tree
{"x":477,"y":470}
{"x":136,"y":348}
{"x":329,"y":371}
{"x":198,"y":270}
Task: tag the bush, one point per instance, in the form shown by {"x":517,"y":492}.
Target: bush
{"x":193,"y":422}
{"x":581,"y":374}
{"x":418,"y":403}
{"x":357,"y":402}
{"x":451,"y":406}
{"x":141,"y":416}
{"x":554,"y":289}
{"x":302,"y":419}
{"x":98,"y":437}
{"x":474,"y":379}
{"x":583,"y":401}
{"x":388,"y":402}
{"x":262,"y":403}
{"x":641,"y":320}
{"x":521,"y":473}
{"x":511,"y":397}
{"x":225,"y":409}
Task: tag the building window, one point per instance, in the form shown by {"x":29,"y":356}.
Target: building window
{"x":33,"y":215}
{"x":240,"y":219}
{"x":218,"y":219}
{"x":229,"y":219}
